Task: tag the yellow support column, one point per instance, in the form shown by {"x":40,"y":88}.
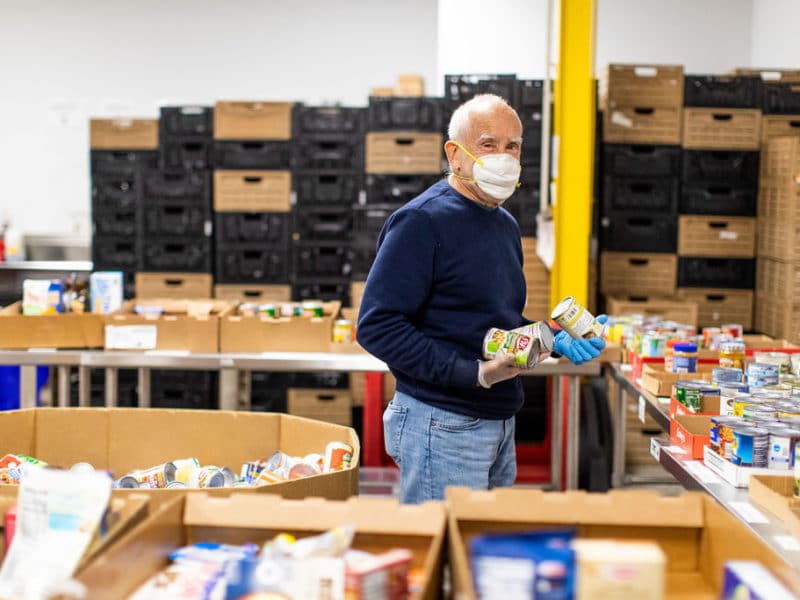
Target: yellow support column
{"x":575,"y":126}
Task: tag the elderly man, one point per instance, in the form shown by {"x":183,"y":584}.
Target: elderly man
{"x":449,"y":267}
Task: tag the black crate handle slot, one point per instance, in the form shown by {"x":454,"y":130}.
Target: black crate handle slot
{"x":326,"y":397}
{"x":718,"y":225}
{"x":638,"y":262}
{"x":251,"y":294}
{"x":719,"y":191}
{"x":794,"y":124}
{"x":644,"y":110}
{"x":641,"y":188}
{"x":643,"y":149}
{"x":404,"y":141}
{"x":640,"y":222}
{"x":722,"y":117}
{"x":251,"y":179}
{"x":173,"y":282}
{"x":715,"y":297}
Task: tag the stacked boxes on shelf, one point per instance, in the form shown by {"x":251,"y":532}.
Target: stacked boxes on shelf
{"x":252,"y":193}
{"x":121,"y":151}
{"x":719,"y":184}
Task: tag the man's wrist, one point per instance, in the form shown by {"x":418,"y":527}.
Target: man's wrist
{"x":481,"y":381}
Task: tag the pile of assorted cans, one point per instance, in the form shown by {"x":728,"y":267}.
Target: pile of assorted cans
{"x":310,"y":308}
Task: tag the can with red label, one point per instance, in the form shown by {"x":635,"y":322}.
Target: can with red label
{"x":524,"y":348}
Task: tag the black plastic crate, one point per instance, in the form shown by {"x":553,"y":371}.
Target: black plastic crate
{"x":179,"y":217}
{"x":524,"y":206}
{"x":164,"y":254}
{"x":252,"y":154}
{"x":729,"y":167}
{"x":125,"y":161}
{"x":641,"y":160}
{"x":193,"y":154}
{"x":780,"y":98}
{"x":183,"y":121}
{"x":368,"y":220}
{"x":397,"y":188}
{"x":405,"y":113}
{"x":327,"y":290}
{"x":320,"y":259}
{"x":718,"y":199}
{"x":322,"y":223}
{"x":120,"y":191}
{"x":310,"y":121}
{"x":529,"y":108}
{"x":334,"y":152}
{"x":165,"y":187}
{"x":115,"y":253}
{"x":531,"y":155}
{"x":112,"y":221}
{"x":184,"y":389}
{"x":644,"y":232}
{"x":268,"y":391}
{"x":362,"y":255}
{"x":721,"y":91}
{"x":629,"y":193}
{"x":127,"y":388}
{"x":252,"y":227}
{"x":321,"y":379}
{"x":460,"y":88}
{"x":327,"y":187}
{"x":252,"y":263}
{"x":734,"y":273}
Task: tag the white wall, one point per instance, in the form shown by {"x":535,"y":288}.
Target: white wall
{"x":61,"y":62}
{"x":776,"y":42}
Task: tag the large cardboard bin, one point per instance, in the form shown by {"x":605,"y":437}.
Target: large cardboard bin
{"x":20,"y":332}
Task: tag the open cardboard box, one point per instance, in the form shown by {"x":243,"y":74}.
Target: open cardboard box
{"x":71,"y":330}
{"x":381,"y":525}
{"x":696,"y":534}
{"x":121,"y":440}
{"x":659,"y":382}
{"x":185,"y":325}
{"x":262,"y":333}
{"x":692,"y":433}
{"x":776,"y":494}
{"x":735,"y":475}
{"x":710,"y":408}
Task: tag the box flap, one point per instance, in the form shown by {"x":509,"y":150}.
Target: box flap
{"x":19,"y":432}
{"x":694,"y":424}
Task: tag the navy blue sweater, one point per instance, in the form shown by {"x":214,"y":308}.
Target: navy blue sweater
{"x":447,"y":270}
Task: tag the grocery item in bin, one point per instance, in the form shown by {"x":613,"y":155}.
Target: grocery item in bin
{"x":106,"y":290}
{"x":41,"y":297}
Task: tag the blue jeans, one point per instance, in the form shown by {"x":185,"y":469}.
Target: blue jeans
{"x":435,"y":449}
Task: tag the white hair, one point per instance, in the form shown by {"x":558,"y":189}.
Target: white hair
{"x":459,"y":122}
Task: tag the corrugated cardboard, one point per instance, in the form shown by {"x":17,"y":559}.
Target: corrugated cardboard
{"x":735,"y":475}
{"x":403,"y":152}
{"x":696,"y":533}
{"x":253,"y":293}
{"x":20,"y":332}
{"x":773,"y":126}
{"x":652,"y":274}
{"x":122,"y":440}
{"x":641,"y":85}
{"x":253,"y":120}
{"x":673,"y":309}
{"x":692,"y":433}
{"x":173,"y":285}
{"x":410,"y":85}
{"x":659,"y":382}
{"x":779,"y":279}
{"x":177,"y":328}
{"x":264,"y":334}
{"x":710,"y":408}
{"x":721,"y":237}
{"x":716,"y":307}
{"x":329,"y":405}
{"x":721,"y":128}
{"x":779,"y":241}
{"x":380,"y":525}
{"x":123,"y":134}
{"x":642,"y":125}
{"x":247,"y":191}
{"x":776,"y":494}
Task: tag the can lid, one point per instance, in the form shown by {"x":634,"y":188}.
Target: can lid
{"x":562,"y":307}
{"x":685,"y":347}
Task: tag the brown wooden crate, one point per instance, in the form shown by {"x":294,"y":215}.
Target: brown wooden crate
{"x":721,"y":128}
{"x":773,"y":126}
{"x":331,"y":405}
{"x":253,"y":120}
{"x":652,"y":274}
{"x":719,"y":306}
{"x":777,"y":317}
{"x":722,"y":237}
{"x":654,"y":126}
{"x":253,"y":191}
{"x":784,"y":75}
{"x":780,"y":241}
{"x":642,"y":85}
{"x":403,"y":152}
{"x":173,"y":285}
{"x":780,"y":280}
{"x":123,"y":134}
{"x":779,"y":203}
{"x":673,"y":309}
{"x":780,"y":160}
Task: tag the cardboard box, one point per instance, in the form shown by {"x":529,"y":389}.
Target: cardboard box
{"x":659,"y":382}
{"x":253,"y":120}
{"x":380,"y":525}
{"x":381,"y":91}
{"x":641,"y":85}
{"x":252,"y":191}
{"x":776,"y":493}
{"x":721,"y":128}
{"x":710,"y":408}
{"x":773,"y":126}
{"x":716,"y":307}
{"x":697,"y":534}
{"x":612,"y":353}
{"x":779,"y":200}
{"x":356,"y":293}
{"x":733,"y":474}
{"x":264,"y":334}
{"x":186,"y":325}
{"x":20,"y":332}
{"x":779,"y":279}
{"x":642,"y":125}
{"x":121,"y":440}
{"x":692,"y":433}
{"x":651,"y":274}
{"x":410,"y":85}
{"x":329,"y":405}
{"x":173,"y":285}
{"x":721,"y":237}
{"x":123,"y":134}
{"x":777,"y":317}
{"x":358,"y":388}
{"x":389,"y":152}
{"x":779,"y":241}
{"x":673,"y":309}
{"x":253,"y":293}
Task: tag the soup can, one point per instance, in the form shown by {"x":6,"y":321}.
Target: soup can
{"x":782,"y":444}
{"x":576,"y":320}
{"x":750,"y":446}
{"x":524,"y":348}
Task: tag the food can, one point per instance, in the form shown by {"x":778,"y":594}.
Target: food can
{"x":338,"y":455}
{"x":576,"y":320}
{"x":342,"y":331}
{"x":782,"y":389}
{"x":287,"y":309}
{"x":541,"y":333}
{"x":82,"y":467}
{"x":315,"y":459}
{"x":654,"y":345}
{"x":251,"y":470}
{"x":743,"y":401}
{"x":726,"y":375}
{"x":750,"y":446}
{"x":692,"y":394}
{"x":763,"y":411}
{"x":267,"y":477}
{"x":154,"y":477}
{"x":721,"y":433}
{"x":524,"y":348}
{"x":782,"y":444}
{"x":176,"y":485}
{"x":302,"y":470}
{"x":710,"y":333}
{"x":780,"y":359}
{"x":248,"y":309}
{"x":280,"y":463}
{"x":792,"y":422}
{"x":313,"y":308}
{"x":206,"y":477}
{"x":762,"y":374}
{"x":796,"y":473}
{"x":733,"y":330}
{"x":268,"y":310}
{"x":127,"y":483}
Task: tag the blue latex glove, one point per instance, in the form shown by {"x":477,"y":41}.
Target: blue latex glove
{"x":580,"y":351}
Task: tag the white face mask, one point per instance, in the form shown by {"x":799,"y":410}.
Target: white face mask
{"x":497,"y":175}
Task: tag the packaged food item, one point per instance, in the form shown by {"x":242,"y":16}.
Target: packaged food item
{"x":268,"y":310}
{"x":313,"y":308}
{"x":338,"y":455}
{"x":762,"y":374}
{"x":195,"y":580}
{"x":669,"y":352}
{"x":780,"y":359}
{"x":734,"y":330}
{"x":38,"y":298}
{"x":709,"y":334}
{"x":106,"y":290}
{"x":782,"y":444}
{"x":576,"y":320}
{"x":524,"y":348}
{"x":342,"y":331}
{"x":654,"y":345}
{"x":720,"y":375}
{"x":750,"y":447}
{"x":732,"y":354}
{"x":383,"y":576}
{"x":721,"y":434}
{"x":752,"y":581}
{"x":684,"y":359}
{"x":694,"y":394}
{"x":623,"y":570}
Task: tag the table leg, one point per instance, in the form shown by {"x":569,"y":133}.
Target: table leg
{"x":27,"y":387}
{"x":372,"y":426}
{"x":228,"y":389}
{"x":64,"y":387}
{"x":84,"y":386}
{"x":556,"y":433}
{"x":572,"y":457}
{"x":111,"y":387}
{"x":620,"y":427}
{"x":245,"y":390}
{"x":144,"y":388}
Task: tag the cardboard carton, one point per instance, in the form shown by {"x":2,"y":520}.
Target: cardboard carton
{"x":716,"y":307}
{"x":290,"y":334}
{"x":696,"y":533}
{"x":329,"y":405}
{"x":253,"y":120}
{"x":173,"y":285}
{"x":403,"y":152}
{"x":692,"y":433}
{"x":380,"y":525}
{"x":735,"y":475}
{"x":652,"y":274}
{"x":252,"y":191}
{"x":710,"y":408}
{"x":659,"y":382}
{"x":776,"y":494}
{"x":122,"y":440}
{"x":185,"y":325}
{"x":641,"y":85}
{"x":20,"y":332}
{"x":672,"y":309}
{"x":721,"y":128}
{"x":253,"y":293}
{"x":722,"y":237}
{"x":123,"y":134}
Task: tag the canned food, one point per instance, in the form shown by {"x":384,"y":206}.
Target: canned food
{"x":128,"y":483}
{"x":793,"y":422}
{"x":524,"y":348}
{"x":82,"y":467}
{"x":338,"y":455}
{"x":315,"y":459}
{"x":576,"y":320}
{"x":155,"y":477}
{"x":782,"y":444}
{"x":726,"y":375}
{"x":762,"y":374}
{"x":540,"y":332}
{"x":175,"y":485}
{"x":654,"y":345}
{"x":287,"y":309}
{"x":718,"y":435}
{"x":267,"y":477}
{"x":248,"y":309}
{"x":759,"y":411}
{"x":780,"y":359}
{"x":267,"y":310}
{"x":693,"y":394}
{"x":342,"y":331}
{"x":280,"y":463}
{"x":741,"y":402}
{"x":302,"y":470}
{"x":251,"y":470}
{"x":206,"y":477}
{"x":709,"y":333}
{"x":732,"y":354}
{"x":782,"y":389}
{"x":313,"y":308}
{"x":750,"y":446}
{"x":733,"y":330}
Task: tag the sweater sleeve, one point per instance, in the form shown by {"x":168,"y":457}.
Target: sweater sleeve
{"x":397,"y":288}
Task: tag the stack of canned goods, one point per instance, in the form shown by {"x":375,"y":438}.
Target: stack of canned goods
{"x":762,"y":375}
{"x":526,"y":344}
{"x":309,"y":308}
{"x":693,"y":394}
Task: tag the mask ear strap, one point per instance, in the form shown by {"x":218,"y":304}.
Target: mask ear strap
{"x":467,"y":152}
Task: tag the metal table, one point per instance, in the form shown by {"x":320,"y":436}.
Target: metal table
{"x":234,"y":389}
